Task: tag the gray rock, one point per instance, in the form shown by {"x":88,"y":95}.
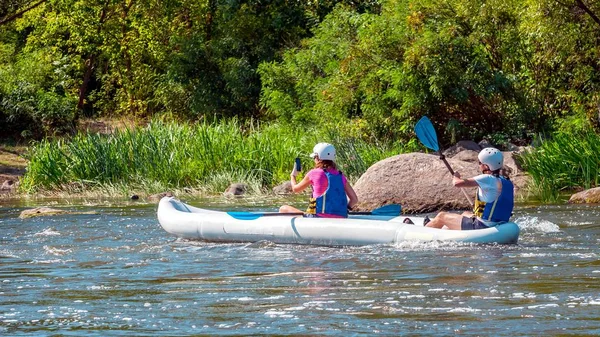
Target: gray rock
{"x":7,"y":185}
{"x":513,"y":148}
{"x":486,"y":143}
{"x":283,"y":188}
{"x":40,"y":211}
{"x":591,"y":196}
{"x":158,"y":196}
{"x":461,"y":146}
{"x":467,"y":155}
{"x":46,"y":211}
{"x":236,"y":189}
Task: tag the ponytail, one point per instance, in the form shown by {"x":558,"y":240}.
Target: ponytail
{"x":504,"y":172}
{"x":326,"y":164}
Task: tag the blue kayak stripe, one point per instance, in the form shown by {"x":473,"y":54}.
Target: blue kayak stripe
{"x":245,"y":215}
{"x":295,"y":229}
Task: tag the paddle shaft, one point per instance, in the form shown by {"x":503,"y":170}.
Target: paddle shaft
{"x":452,"y":173}
{"x":443,"y":158}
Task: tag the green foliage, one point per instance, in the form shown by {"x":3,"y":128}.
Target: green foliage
{"x":565,"y":162}
{"x":180,"y":58}
{"x":33,"y":94}
{"x":413,"y":59}
{"x":489,"y":68}
{"x":479,"y":69}
{"x":561,"y":68}
{"x":181,"y":155}
{"x":338,"y":75}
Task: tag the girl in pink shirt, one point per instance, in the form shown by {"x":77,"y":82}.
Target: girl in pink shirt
{"x":339,"y":195}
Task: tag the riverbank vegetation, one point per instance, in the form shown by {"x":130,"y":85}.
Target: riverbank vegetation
{"x":200,"y":156}
{"x":567,"y":162}
{"x":505,"y":71}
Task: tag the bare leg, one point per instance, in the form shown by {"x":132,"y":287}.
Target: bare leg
{"x":288,"y":209}
{"x":451,"y":220}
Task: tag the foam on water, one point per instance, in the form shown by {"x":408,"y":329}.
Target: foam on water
{"x":57,"y":251}
{"x":536,"y":224}
{"x":47,"y":232}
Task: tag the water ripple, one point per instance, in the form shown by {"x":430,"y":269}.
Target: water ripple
{"x":117,"y":273}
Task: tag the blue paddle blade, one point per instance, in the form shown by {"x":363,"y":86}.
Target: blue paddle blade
{"x":393,"y":209}
{"x":426,"y":134}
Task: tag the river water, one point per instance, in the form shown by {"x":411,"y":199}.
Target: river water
{"x":117,"y":273}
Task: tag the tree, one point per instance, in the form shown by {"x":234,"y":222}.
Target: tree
{"x":562,"y":67}
{"x":447,"y":60}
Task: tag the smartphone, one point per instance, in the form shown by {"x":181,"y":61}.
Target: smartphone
{"x":298,"y":165}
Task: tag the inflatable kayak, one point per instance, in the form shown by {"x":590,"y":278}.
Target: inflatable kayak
{"x":189,"y":222}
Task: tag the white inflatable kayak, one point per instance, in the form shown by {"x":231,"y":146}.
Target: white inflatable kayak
{"x":189,"y":222}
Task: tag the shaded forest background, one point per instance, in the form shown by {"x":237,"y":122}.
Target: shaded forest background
{"x":505,"y":70}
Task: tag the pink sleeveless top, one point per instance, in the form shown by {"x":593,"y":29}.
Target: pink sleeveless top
{"x":318,"y":180}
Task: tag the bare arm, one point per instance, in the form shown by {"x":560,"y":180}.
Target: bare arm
{"x":351,"y":195}
{"x":299,"y":187}
{"x":457,"y":181}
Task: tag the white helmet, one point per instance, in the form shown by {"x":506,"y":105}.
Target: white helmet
{"x":325,"y":151}
{"x":492,"y":157}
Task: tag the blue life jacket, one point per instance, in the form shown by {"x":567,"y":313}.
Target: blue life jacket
{"x":334,"y":200}
{"x":501,"y":209}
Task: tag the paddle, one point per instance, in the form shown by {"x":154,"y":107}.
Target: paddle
{"x":427,"y":135}
{"x":389,"y":210}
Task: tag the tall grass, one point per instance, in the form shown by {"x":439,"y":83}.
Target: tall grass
{"x":204,"y":156}
{"x":566,"y":162}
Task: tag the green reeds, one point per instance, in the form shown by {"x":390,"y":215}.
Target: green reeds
{"x":567,"y":162}
{"x":203,"y":156}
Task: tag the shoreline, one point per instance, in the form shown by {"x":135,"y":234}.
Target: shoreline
{"x":12,"y":169}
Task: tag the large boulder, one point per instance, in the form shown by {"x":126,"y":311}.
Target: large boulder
{"x":422,"y":183}
{"x":519,"y":177}
{"x":417,"y":181}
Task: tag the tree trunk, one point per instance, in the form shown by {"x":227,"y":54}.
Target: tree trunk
{"x":19,"y":14}
{"x":90,"y":64}
{"x":89,"y":70}
{"x":585,"y":8}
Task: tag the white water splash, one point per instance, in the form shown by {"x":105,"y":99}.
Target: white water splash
{"x":7,"y":254}
{"x":47,"y":232}
{"x":535,"y":224}
{"x":431,"y":245}
{"x":56,"y":251}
